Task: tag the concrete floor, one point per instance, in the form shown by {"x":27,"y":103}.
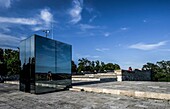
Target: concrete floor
{"x":11,"y":98}
{"x":158,"y":87}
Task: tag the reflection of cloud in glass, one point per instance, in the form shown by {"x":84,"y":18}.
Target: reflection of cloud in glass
{"x":48,"y":48}
{"x":45,"y":55}
{"x":63,"y":57}
{"x":52,"y":56}
{"x":41,"y":55}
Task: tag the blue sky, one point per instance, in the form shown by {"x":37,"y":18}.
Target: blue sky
{"x":126,"y":32}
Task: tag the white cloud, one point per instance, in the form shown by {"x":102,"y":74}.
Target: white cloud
{"x":87,"y":56}
{"x":75,"y":12}
{"x":37,"y":28}
{"x":106,"y":34}
{"x":142,"y":46}
{"x":24,"y":21}
{"x":166,"y":50}
{"x":91,"y":19}
{"x":124,"y":28}
{"x":5,"y":3}
{"x":8,"y":41}
{"x":119,"y":30}
{"x":46,"y":16}
{"x":4,"y":28}
{"x":102,"y":49}
{"x":42,"y":21}
{"x":23,"y":37}
{"x":89,"y":9}
{"x":86,"y":26}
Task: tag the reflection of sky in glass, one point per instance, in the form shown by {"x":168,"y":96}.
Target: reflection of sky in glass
{"x":32,"y":46}
{"x":52,"y":56}
{"x":22,"y":52}
{"x":63,"y":57}
{"x":48,"y":55}
{"x":45,"y":55}
{"x":28,"y":49}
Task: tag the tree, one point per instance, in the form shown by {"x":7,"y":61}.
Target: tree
{"x":84,"y":65}
{"x":73,"y":67}
{"x":160,"y":71}
{"x":12,"y":62}
{"x":2,"y":64}
{"x":1,"y":55}
{"x":102,"y":68}
{"x":88,"y":67}
{"x":92,"y":66}
{"x":153,"y":68}
{"x":163,"y":73}
{"x":117,"y":67}
{"x":110,"y":66}
{"x":97,"y":68}
{"x":81,"y":65}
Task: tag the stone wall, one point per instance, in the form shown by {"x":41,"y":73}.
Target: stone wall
{"x":137,"y":75}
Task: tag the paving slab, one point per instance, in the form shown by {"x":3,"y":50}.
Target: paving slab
{"x":159,"y":87}
{"x":154,"y":90}
{"x":85,"y":79}
{"x":11,"y":98}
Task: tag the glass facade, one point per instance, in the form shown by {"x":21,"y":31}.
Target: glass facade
{"x":46,"y":65}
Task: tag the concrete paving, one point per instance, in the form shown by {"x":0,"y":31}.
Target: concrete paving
{"x":85,"y":79}
{"x":11,"y":98}
{"x":154,"y":90}
{"x":159,"y":87}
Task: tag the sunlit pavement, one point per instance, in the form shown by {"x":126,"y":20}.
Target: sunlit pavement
{"x":11,"y":98}
{"x":159,"y":87}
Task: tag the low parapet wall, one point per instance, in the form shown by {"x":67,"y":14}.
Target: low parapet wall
{"x":137,"y":75}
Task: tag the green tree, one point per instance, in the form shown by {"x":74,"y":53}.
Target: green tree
{"x":73,"y":67}
{"x":163,"y":74}
{"x":87,"y":65}
{"x":98,"y":66}
{"x":2,"y":64}
{"x":84,"y":65}
{"x":102,"y":68}
{"x":153,"y":68}
{"x":117,"y":67}
{"x":110,"y":67}
{"x":81,"y":65}
{"x":1,"y":55}
{"x":12,"y":62}
{"x":160,"y":71}
{"x":92,"y":66}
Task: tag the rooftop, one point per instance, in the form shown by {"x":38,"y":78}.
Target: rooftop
{"x":12,"y":98}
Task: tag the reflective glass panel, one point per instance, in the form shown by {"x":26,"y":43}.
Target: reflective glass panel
{"x":46,"y":65}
